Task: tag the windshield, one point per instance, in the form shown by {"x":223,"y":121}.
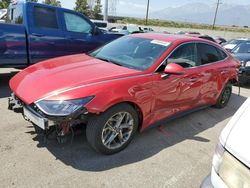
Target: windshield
{"x":234,"y":41}
{"x":132,"y":52}
{"x":242,"y":48}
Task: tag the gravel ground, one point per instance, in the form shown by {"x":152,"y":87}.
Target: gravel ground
{"x":177,"y":154}
{"x":226,"y":34}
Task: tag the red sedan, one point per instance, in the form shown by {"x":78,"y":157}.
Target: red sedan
{"x":130,"y":84}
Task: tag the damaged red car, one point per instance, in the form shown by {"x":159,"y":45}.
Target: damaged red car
{"x":128,"y":85}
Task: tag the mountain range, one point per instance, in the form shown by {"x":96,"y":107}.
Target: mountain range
{"x":228,"y":14}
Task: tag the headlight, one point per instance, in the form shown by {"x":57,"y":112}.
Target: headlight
{"x":233,"y":172}
{"x":62,"y":108}
{"x":219,"y":151}
{"x":247,"y":64}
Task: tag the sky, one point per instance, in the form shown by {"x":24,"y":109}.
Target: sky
{"x":138,"y":7}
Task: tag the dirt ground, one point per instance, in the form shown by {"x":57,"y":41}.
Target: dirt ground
{"x":225,"y":34}
{"x":176,"y":155}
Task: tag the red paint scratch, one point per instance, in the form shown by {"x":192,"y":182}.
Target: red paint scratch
{"x":163,"y":131}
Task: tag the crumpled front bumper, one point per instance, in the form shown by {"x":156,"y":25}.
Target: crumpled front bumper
{"x":42,"y":120}
{"x":29,"y":114}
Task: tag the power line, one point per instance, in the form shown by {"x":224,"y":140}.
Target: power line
{"x":216,"y":12}
{"x":106,"y":11}
{"x":147,"y":13}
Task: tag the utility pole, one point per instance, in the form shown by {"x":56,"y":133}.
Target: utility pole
{"x":147,"y":13}
{"x":106,"y":9}
{"x":216,"y":11}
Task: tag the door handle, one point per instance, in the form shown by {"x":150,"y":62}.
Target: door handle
{"x":70,"y":38}
{"x":193,"y":79}
{"x":224,"y":72}
{"x":38,"y":34}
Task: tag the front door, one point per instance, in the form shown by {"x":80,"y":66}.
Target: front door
{"x":177,"y":93}
{"x":78,"y":32}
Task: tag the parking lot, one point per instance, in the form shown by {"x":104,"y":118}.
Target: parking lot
{"x":177,"y":154}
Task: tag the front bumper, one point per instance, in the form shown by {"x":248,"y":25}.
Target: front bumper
{"x":60,"y":127}
{"x":37,"y":119}
{"x":29,"y":114}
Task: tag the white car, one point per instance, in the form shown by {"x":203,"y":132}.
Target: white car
{"x":231,"y":44}
{"x":101,"y":24}
{"x":231,"y":161}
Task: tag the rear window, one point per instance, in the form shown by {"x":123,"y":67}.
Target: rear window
{"x":45,"y":18}
{"x":222,"y":55}
{"x":207,"y":54}
{"x":15,"y":15}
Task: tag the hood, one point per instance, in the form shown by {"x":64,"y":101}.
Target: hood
{"x":230,"y":46}
{"x":64,"y":73}
{"x":235,"y":136}
{"x":242,"y":56}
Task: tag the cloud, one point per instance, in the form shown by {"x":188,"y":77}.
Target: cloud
{"x":133,"y":5}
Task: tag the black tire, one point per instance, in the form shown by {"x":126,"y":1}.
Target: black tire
{"x":224,"y":96}
{"x":96,"y":124}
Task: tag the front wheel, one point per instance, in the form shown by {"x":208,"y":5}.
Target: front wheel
{"x":224,"y":96}
{"x":111,"y":131}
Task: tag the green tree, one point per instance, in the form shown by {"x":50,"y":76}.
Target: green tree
{"x":35,"y":1}
{"x":52,"y":3}
{"x":97,"y":10}
{"x":82,"y":7}
{"x":4,"y":3}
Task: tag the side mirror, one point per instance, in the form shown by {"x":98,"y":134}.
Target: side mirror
{"x":173,"y":68}
{"x":95,"y":30}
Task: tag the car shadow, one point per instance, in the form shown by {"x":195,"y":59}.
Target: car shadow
{"x":4,"y":83}
{"x":81,"y":156}
{"x":247,"y":86}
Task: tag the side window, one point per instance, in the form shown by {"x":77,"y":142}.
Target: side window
{"x":45,"y":18}
{"x":222,"y":55}
{"x":185,"y":56}
{"x":75,"y":23}
{"x":207,"y":54}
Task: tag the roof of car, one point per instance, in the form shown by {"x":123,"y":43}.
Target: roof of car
{"x":167,"y":37}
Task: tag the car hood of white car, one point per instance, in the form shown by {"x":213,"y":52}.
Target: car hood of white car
{"x":236,"y":135}
{"x":230,"y":46}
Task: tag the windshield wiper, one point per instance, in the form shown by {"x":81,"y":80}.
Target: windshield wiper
{"x":109,"y":61}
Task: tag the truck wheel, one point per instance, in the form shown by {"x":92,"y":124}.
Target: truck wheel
{"x":112,"y":131}
{"x":224,"y":96}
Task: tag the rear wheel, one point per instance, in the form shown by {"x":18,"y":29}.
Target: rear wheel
{"x":224,"y":96}
{"x":111,"y":131}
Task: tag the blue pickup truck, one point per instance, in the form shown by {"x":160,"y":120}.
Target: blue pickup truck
{"x":35,"y":32}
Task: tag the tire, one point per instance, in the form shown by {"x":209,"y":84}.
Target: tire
{"x":103,"y":128}
{"x":224,"y":96}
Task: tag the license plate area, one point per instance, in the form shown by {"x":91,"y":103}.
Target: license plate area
{"x":39,"y":121}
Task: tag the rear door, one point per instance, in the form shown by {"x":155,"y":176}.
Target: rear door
{"x":215,"y":71}
{"x":45,"y":33}
{"x":13,"y":48}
